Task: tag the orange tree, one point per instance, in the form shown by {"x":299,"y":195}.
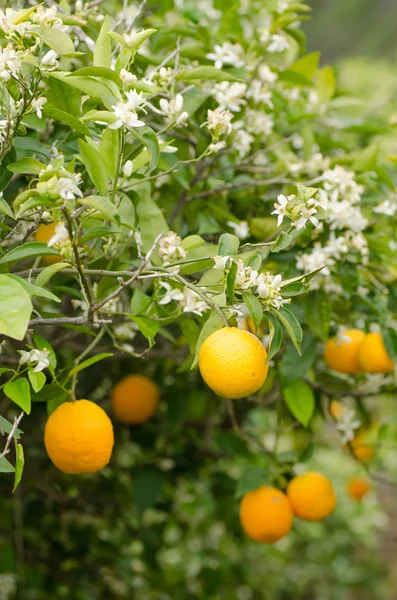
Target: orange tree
{"x":183,"y":187}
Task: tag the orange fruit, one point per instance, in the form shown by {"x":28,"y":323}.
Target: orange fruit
{"x":266,"y":515}
{"x":78,"y":437}
{"x":43,"y":234}
{"x":336,"y":409}
{"x":135,"y":399}
{"x":312,"y":496}
{"x":363,"y":447}
{"x":342,"y":355}
{"x":373,"y":356}
{"x":357,"y":488}
{"x":249,"y":325}
{"x":233,"y":362}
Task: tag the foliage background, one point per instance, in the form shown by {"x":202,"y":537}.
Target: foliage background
{"x":144,"y":530}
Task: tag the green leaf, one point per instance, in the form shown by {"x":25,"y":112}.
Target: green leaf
{"x":318,"y":312}
{"x":6,"y":466}
{"x":5,"y":207}
{"x":102,"y":51}
{"x":37,"y":380}
{"x":151,"y":219}
{"x":28,"y":166}
{"x":206,"y":73}
{"x":148,"y":484}
{"x":190,"y":331}
{"x":295,"y":367}
{"x":251,"y":479}
{"x":148,"y":138}
{"x":90,"y":86}
{"x":213,"y":323}
{"x":390,"y":341}
{"x":147,"y":326}
{"x":110,"y":151}
{"x":103,"y":72}
{"x":255,"y":308}
{"x":15,"y":308}
{"x":20,"y":462}
{"x":307,"y":65}
{"x":28,"y":250}
{"x":63,"y":96}
{"x":97,"y":232}
{"x":231,"y":283}
{"x":192,"y":241}
{"x":300,"y":400}
{"x":276,"y":335}
{"x":90,"y":361}
{"x":6,"y":427}
{"x":139,"y":302}
{"x":283,"y":241}
{"x":44,"y":277}
{"x":289,"y":321}
{"x":95,"y":166}
{"x":102,"y":205}
{"x":71,"y":121}
{"x":326,"y":84}
{"x":55,"y":39}
{"x":19,"y":392}
{"x":35,"y":290}
{"x":51,"y":391}
{"x":228,"y":244}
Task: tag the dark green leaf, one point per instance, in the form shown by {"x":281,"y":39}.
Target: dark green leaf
{"x":20,"y":462}
{"x":252,"y":479}
{"x":300,"y":400}
{"x":231,"y":283}
{"x":255,"y":308}
{"x":19,"y":392}
{"x":95,"y":166}
{"x":6,"y":427}
{"x":28,"y":250}
{"x":89,"y":362}
{"x":148,"y":485}
{"x":213,"y":323}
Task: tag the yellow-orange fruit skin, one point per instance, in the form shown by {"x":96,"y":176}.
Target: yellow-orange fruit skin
{"x":43,"y":234}
{"x":373,"y":356}
{"x":135,"y":399}
{"x":357,"y":488}
{"x":312,"y":496}
{"x":266,"y":515}
{"x":79,"y":437}
{"x":362,"y":448}
{"x":233,"y":363}
{"x":343,"y":356}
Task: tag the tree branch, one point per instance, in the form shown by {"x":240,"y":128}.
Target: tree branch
{"x":17,"y":420}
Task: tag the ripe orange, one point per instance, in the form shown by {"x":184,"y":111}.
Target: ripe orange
{"x":233,"y":363}
{"x":266,"y":515}
{"x":363,"y":445}
{"x":373,"y":356}
{"x":43,"y":234}
{"x":249,"y":325}
{"x":312,"y":496}
{"x":78,"y":437}
{"x":135,"y":399}
{"x":342,"y":355}
{"x":357,"y":488}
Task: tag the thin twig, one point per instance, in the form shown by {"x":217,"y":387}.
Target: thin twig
{"x":239,"y":186}
{"x":17,"y":420}
{"x":67,"y":321}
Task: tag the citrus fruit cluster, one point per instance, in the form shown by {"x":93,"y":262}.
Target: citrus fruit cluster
{"x":356,"y":352}
{"x":363,"y":443}
{"x":79,"y":436}
{"x":267,"y":513}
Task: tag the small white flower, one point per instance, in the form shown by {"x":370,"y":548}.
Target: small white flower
{"x":191,"y":302}
{"x":219,"y":121}
{"x":267,"y":75}
{"x":259,"y":122}
{"x":172,"y":294}
{"x":227,"y":54}
{"x":126,"y":77}
{"x":60,"y":236}
{"x":387,"y":207}
{"x":280,"y":208}
{"x":220,"y":262}
{"x":125,"y":111}
{"x":50,"y":59}
{"x":245,"y":276}
{"x":38,"y":104}
{"x":347,"y":425}
{"x":241,"y":229}
{"x":68,"y":189}
{"x":268,"y":289}
{"x":170,"y":248}
{"x":230,"y":95}
{"x":35,"y":357}
{"x":217,"y":146}
{"x":277,"y":44}
{"x":172,"y":110}
{"x":127,"y":169}
{"x":306,"y":214}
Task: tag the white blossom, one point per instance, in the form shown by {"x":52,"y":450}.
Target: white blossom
{"x":280,"y":208}
{"x":220,"y":262}
{"x":317,"y":258}
{"x":269,"y":290}
{"x":37,"y":105}
{"x":227,"y":54}
{"x":242,"y":141}
{"x":306,"y":214}
{"x":126,"y":77}
{"x":245,"y":276}
{"x":127,"y":169}
{"x":277,"y":44}
{"x":347,"y":424}
{"x":259,"y":122}
{"x":36,"y":357}
{"x":191,"y":302}
{"x":126,"y":111}
{"x":259,"y":93}
{"x":172,"y":294}
{"x":230,"y":95}
{"x":241,"y":229}
{"x":60,"y":236}
{"x":172,"y":110}
{"x":170,"y":248}
{"x":387,"y":207}
{"x":10,"y":62}
{"x":217,"y":146}
{"x":50,"y":59}
{"x":266,"y":75}
{"x":218,"y":121}
{"x":68,"y":189}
